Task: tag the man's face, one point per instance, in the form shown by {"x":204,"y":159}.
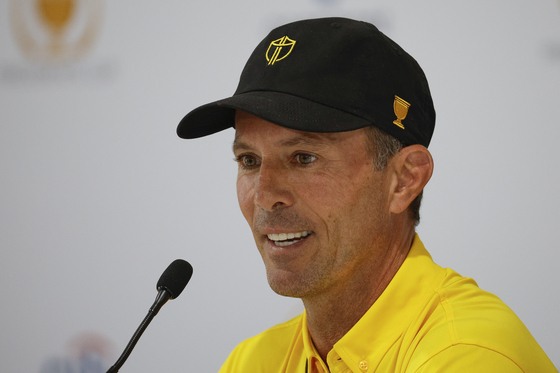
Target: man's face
{"x":317,"y":208}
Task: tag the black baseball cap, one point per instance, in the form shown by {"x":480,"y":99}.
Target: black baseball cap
{"x":326,"y":75}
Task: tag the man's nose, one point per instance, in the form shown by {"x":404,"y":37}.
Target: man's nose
{"x":273,"y":188}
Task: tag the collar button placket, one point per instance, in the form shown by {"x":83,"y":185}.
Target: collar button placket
{"x":363,"y":365}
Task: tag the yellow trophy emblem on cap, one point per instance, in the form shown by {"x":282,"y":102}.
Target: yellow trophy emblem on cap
{"x":284,"y":43}
{"x":401,"y":110}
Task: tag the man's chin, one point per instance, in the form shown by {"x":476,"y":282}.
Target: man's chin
{"x":289,"y":284}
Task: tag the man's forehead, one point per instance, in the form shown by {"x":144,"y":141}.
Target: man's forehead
{"x":280,"y":136}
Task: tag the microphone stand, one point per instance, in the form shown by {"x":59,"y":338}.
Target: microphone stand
{"x":162,"y":297}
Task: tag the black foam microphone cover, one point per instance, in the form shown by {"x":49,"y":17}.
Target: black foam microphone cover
{"x":175,"y":277}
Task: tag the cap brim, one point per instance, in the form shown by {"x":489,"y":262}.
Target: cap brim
{"x":279,"y":108}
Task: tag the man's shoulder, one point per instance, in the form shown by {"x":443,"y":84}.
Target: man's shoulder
{"x":470,"y":313}
{"x":462,"y":317}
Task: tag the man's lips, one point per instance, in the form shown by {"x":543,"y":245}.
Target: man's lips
{"x":286,"y":239}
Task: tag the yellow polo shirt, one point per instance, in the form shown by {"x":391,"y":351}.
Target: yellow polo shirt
{"x":429,"y":319}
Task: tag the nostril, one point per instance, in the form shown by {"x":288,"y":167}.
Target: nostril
{"x":277,"y":205}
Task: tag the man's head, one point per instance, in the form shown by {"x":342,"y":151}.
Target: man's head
{"x":321,"y":210}
{"x":332,"y":124}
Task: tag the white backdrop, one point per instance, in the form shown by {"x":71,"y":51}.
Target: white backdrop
{"x":98,"y":195}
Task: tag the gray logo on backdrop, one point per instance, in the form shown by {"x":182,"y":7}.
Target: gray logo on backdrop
{"x":87,"y":353}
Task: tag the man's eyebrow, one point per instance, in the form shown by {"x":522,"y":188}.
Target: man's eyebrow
{"x":239,"y":145}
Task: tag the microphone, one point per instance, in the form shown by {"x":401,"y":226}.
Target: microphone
{"x":170,"y":285}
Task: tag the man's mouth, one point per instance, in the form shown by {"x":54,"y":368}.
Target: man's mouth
{"x":286,"y":239}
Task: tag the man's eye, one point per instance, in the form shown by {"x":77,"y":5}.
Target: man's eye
{"x":248,"y":161}
{"x":305,"y":158}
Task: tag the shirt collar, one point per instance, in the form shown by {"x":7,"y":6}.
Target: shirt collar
{"x":365,"y":344}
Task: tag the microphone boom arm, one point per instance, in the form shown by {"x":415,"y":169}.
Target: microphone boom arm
{"x":162,"y":297}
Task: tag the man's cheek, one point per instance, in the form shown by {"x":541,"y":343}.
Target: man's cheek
{"x":245,"y":197}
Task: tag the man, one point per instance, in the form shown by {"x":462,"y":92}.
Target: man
{"x":333,"y":121}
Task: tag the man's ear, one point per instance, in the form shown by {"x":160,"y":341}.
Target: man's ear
{"x":413,"y":168}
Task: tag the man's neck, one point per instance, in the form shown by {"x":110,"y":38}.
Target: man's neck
{"x":331,"y":316}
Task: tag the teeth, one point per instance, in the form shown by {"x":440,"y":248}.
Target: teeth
{"x":280,"y":237}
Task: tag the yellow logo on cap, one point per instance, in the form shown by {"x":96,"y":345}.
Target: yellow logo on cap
{"x":401,"y":110}
{"x":279,"y":44}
